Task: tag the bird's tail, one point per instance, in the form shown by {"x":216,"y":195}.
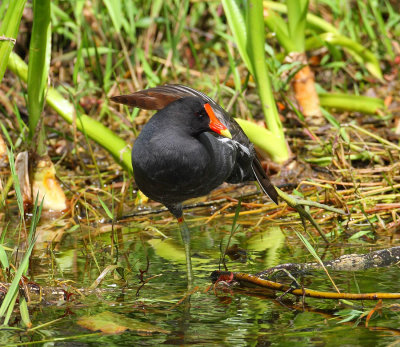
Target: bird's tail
{"x":263,"y":180}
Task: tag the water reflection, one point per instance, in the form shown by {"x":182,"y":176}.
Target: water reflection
{"x":205,"y":318}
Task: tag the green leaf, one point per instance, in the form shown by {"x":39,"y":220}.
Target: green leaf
{"x":297,"y":14}
{"x":23,"y":309}
{"x":8,"y":303}
{"x":277,"y":25}
{"x":264,"y":139}
{"x":237,"y":24}
{"x":309,"y":247}
{"x":38,"y":70}
{"x":115,"y":10}
{"x":3,"y":258}
{"x":354,"y":103}
{"x":114,"y":323}
{"x":362,"y":55}
{"x":256,"y":51}
{"x":17,"y":187}
{"x":109,"y":213}
{"x":9,"y":30}
{"x":152,"y":78}
{"x":359,"y":234}
{"x":12,"y":292}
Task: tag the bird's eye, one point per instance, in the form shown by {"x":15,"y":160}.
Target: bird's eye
{"x":200,"y":114}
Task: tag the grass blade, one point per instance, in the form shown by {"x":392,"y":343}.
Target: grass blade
{"x":23,"y":309}
{"x":238,"y":26}
{"x":106,"y":209}
{"x":315,"y":255}
{"x":13,"y":289}
{"x":297,"y":14}
{"x":8,"y":303}
{"x":14,"y":175}
{"x":9,"y":30}
{"x":38,"y":67}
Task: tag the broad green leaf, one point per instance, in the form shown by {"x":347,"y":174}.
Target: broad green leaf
{"x":114,"y":323}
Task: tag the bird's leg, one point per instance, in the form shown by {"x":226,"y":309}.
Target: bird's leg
{"x":185,"y":233}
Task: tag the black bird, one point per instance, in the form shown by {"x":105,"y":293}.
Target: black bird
{"x":188,"y":148}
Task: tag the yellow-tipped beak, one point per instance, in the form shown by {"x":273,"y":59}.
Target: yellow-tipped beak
{"x":226,"y":133}
{"x":215,"y":124}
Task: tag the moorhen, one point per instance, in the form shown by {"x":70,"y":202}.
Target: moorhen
{"x":188,"y":148}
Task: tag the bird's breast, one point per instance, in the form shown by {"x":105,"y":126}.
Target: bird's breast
{"x":169,"y":168}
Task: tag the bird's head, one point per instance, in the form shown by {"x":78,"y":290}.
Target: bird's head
{"x":203,"y":118}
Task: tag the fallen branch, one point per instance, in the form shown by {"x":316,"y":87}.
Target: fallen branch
{"x":247,"y":280}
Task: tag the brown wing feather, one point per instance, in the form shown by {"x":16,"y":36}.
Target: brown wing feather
{"x":146,"y":99}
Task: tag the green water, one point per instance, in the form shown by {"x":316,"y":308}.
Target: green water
{"x":216,"y":317}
